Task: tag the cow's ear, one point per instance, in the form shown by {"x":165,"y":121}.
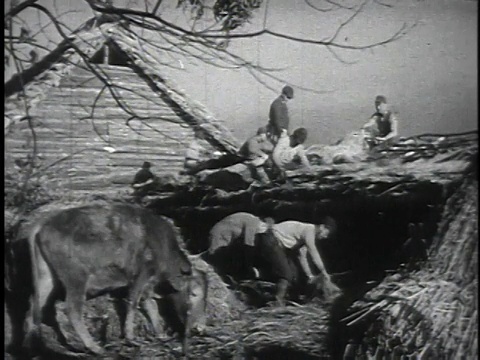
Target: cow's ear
{"x":177,"y":282}
{"x":186,"y":269}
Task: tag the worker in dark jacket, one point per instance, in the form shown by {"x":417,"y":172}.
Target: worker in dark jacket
{"x":143,"y":181}
{"x":278,"y":118}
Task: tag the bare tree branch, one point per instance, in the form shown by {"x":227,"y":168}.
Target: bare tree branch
{"x":157,"y":5}
{"x":346,"y":22}
{"x":309,"y":3}
{"x":383,"y":4}
{"x":339,"y":58}
{"x":101,"y":75}
{"x":193,"y":36}
{"x":340,"y":5}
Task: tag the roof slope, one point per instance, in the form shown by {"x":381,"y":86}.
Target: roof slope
{"x":47,"y":73}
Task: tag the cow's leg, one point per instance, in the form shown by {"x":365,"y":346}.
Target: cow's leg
{"x":150,"y":307}
{"x":133,"y":299}
{"x":121,"y":310}
{"x":47,"y":295}
{"x":31,"y":332}
{"x":44,"y":285}
{"x":49,"y":318}
{"x":75,"y":299}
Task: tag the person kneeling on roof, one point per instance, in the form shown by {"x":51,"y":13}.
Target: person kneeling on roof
{"x":255,"y":151}
{"x":382,"y":126}
{"x":286,"y":240}
{"x":143,"y":181}
{"x":289,"y":153}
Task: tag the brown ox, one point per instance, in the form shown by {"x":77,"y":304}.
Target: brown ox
{"x":92,"y":250}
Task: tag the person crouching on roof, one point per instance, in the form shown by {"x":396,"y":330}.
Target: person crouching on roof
{"x":143,"y":181}
{"x":289,"y":239}
{"x":382,"y":126}
{"x":289,"y":153}
{"x":255,"y":151}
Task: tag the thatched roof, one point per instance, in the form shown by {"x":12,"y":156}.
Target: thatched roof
{"x":400,"y":172}
{"x":40,"y":77}
{"x":431,"y":311}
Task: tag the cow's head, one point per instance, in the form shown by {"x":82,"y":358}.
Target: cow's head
{"x":190,"y":303}
{"x":197,"y":307}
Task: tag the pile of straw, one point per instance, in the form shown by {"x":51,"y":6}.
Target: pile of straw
{"x":349,"y":150}
{"x":432,"y":312}
{"x":222,"y":304}
{"x":418,"y":318}
{"x":295,"y":331}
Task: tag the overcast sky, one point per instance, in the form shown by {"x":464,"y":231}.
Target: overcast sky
{"x":430,"y":76}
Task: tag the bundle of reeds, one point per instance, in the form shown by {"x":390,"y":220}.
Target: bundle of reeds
{"x":431,"y":318}
{"x":292,"y":331}
{"x":431,"y":313}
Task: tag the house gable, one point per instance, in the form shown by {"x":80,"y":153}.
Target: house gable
{"x":88,"y":142}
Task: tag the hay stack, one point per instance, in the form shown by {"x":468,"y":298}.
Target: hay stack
{"x":223,"y":306}
{"x":299,"y":330}
{"x":293,"y":332}
{"x":434,"y":311}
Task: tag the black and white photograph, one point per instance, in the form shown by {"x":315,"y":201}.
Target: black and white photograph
{"x":241,"y":179}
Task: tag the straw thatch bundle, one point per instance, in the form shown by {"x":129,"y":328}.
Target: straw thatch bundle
{"x":348,"y":150}
{"x":223,"y":306}
{"x":432,"y":313}
{"x":293,"y":332}
{"x":296,"y":329}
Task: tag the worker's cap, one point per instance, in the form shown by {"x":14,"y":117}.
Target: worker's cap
{"x":262,"y":130}
{"x":146,"y":165}
{"x":380,"y":99}
{"x":288,"y":92}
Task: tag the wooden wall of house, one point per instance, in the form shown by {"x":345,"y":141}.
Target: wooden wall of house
{"x":67,"y":132}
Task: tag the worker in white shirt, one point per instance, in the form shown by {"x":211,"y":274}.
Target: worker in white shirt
{"x":290,"y":239}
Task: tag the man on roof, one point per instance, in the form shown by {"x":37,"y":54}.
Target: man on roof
{"x":382,"y":127}
{"x":289,"y":153}
{"x":278,"y":117}
{"x":143,"y":181}
{"x":255,"y":151}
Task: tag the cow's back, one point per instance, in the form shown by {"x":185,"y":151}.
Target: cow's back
{"x":93,"y":237}
{"x":110,"y":243}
